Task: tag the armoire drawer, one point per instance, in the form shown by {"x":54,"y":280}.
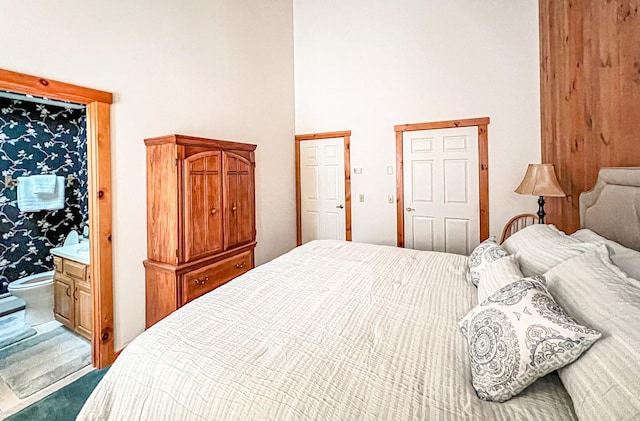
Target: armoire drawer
{"x":202,"y":280}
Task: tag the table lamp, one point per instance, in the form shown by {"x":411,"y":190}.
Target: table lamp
{"x":540,"y":180}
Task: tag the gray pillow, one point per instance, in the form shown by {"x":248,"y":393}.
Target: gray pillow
{"x":498,"y":274}
{"x":628,"y":260}
{"x":486,"y":252}
{"x":605,"y":383}
{"x":517,"y":335}
{"x":540,"y":247}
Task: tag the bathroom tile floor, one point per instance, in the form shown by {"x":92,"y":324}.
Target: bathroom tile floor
{"x":10,"y":403}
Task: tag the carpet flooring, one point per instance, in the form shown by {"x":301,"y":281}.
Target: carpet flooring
{"x":35,"y":363}
{"x":14,"y":329}
{"x":63,"y":404}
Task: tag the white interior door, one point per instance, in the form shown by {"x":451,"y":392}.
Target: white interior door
{"x":441,"y":190}
{"x":322,"y":189}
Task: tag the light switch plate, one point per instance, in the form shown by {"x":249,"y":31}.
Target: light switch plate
{"x":362,"y":197}
{"x":390,"y":199}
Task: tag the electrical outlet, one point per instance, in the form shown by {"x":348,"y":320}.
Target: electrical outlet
{"x":362,"y":197}
{"x":390,"y":199}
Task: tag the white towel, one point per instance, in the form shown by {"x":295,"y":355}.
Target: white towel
{"x":44,"y":183}
{"x":28,"y":201}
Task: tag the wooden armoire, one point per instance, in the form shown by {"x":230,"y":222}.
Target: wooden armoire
{"x":200,"y":218}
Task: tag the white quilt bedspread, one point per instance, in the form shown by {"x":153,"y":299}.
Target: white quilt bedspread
{"x":330,"y":331}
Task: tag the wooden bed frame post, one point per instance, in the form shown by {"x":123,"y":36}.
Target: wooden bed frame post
{"x":483,"y":168}
{"x":99,"y":192}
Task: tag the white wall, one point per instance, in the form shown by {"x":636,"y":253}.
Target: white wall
{"x":369,"y":65}
{"x":217,"y":68}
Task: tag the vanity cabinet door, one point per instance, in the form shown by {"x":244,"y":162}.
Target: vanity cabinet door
{"x":63,"y":300}
{"x":83,"y":313}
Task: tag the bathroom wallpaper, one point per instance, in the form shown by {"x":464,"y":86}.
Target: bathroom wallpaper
{"x":39,"y":139}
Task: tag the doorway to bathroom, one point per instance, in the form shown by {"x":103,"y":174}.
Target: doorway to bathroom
{"x":45,"y":296}
{"x":99,"y":195}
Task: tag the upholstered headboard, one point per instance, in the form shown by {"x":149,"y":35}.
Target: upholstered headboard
{"x":612,"y":207}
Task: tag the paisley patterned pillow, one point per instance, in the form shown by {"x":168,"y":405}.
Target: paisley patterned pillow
{"x":517,"y":335}
{"x":486,"y":252}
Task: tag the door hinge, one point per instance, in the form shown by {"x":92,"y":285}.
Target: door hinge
{"x":177,"y":253}
{"x":175,"y":162}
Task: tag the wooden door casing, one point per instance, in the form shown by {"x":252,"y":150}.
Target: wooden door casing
{"x":203,"y":232}
{"x":99,"y":194}
{"x":483,"y":168}
{"x":441,"y":189}
{"x":239,"y":206}
{"x":346,"y":135}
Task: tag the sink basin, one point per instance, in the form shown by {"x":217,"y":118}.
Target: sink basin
{"x":77,"y":252}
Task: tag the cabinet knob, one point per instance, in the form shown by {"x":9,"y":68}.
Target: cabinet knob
{"x":213,"y":211}
{"x":201,"y":282}
{"x":234,"y":207}
{"x":240,"y":265}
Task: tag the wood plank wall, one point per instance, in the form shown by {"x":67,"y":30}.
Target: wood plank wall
{"x":590,"y":94}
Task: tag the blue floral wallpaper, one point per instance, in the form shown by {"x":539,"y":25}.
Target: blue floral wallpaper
{"x":39,"y":139}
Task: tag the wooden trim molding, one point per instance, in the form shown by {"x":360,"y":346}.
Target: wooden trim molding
{"x":100,"y":230}
{"x":346,"y":135}
{"x":100,"y":225}
{"x":483,"y":168}
{"x":33,"y":85}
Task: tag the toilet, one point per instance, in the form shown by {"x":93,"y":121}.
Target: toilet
{"x":37,"y":293}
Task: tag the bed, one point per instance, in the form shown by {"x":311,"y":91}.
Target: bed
{"x":337,"y":331}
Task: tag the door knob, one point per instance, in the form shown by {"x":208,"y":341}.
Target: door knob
{"x":340,"y":207}
{"x":410,"y":209}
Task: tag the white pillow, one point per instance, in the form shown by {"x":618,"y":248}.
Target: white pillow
{"x":539,"y":247}
{"x":605,"y":383}
{"x":498,"y":274}
{"x":625,"y":258}
{"x":517,"y":335}
{"x":487,"y":251}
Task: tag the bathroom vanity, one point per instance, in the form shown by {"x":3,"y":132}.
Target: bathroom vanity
{"x":72,"y":289}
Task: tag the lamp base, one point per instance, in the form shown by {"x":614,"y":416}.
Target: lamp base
{"x":541,"y":213}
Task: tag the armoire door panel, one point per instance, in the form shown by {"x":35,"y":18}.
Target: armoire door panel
{"x":239,"y":205}
{"x":245,"y":203}
{"x":203,"y":233}
{"x":239,"y":178}
{"x":213,"y":210}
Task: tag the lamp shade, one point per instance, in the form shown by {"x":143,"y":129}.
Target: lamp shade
{"x":540,"y":180}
